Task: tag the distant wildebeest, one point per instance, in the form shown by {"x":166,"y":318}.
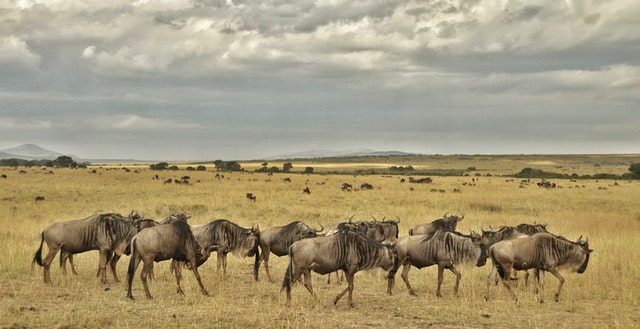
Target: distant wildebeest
{"x":443,"y":248}
{"x":447,"y":223}
{"x":229,"y":237}
{"x":347,"y":251}
{"x":4,"y":176}
{"x":251,"y":196}
{"x":286,"y":180}
{"x":278,"y":239}
{"x":306,"y":190}
{"x":173,"y":241}
{"x":168,"y":181}
{"x":108,"y":233}
{"x":39,"y":198}
{"x":542,"y":252}
{"x":366,"y":186}
{"x":425,"y":180}
{"x":346,"y":187}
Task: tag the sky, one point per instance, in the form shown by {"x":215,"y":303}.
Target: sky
{"x":249,"y":79}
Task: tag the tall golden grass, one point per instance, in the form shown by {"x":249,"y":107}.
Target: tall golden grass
{"x":606,"y":295}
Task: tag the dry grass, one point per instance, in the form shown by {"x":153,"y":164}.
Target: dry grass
{"x":606,"y":295}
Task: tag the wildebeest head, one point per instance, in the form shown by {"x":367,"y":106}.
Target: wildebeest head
{"x":250,"y":244}
{"x":449,"y":223}
{"x":308,"y":232}
{"x":478,"y":240}
{"x":584,"y":246}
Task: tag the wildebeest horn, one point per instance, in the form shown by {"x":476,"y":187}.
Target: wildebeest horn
{"x":321,"y":228}
{"x":461,"y":218}
{"x":580,"y":238}
{"x":395,"y":221}
{"x":445,"y":214}
{"x":350,"y":218}
{"x":374,"y":219}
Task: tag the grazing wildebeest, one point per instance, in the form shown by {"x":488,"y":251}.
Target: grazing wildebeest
{"x":168,"y":181}
{"x":306,"y":190}
{"x":278,"y":239}
{"x":541,"y":251}
{"x":447,"y":223}
{"x":443,"y":248}
{"x":229,"y":237}
{"x":347,"y":251}
{"x":108,"y":233}
{"x":251,"y":196}
{"x":174,"y":241}
{"x":366,"y":186}
{"x":346,"y":187}
{"x":39,"y":198}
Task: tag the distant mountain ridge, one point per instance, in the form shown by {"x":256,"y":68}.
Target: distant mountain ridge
{"x":314,"y":154}
{"x":30,"y":152}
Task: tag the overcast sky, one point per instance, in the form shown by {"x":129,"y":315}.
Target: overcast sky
{"x":245,"y":79}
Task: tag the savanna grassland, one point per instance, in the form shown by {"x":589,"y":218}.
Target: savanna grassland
{"x":605,"y":211}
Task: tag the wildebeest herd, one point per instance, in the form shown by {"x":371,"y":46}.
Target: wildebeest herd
{"x":350,"y":247}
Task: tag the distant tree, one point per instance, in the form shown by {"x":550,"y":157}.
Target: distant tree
{"x":159,"y":166}
{"x":201,"y":168}
{"x":287,"y":167}
{"x":308,"y":170}
{"x":190,"y":168}
{"x":64,"y":161}
{"x":9,"y":162}
{"x":173,"y":168}
{"x":635,"y":170}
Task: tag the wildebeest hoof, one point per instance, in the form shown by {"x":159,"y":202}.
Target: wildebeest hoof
{"x":412,"y":293}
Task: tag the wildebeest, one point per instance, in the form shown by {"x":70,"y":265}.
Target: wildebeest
{"x":492,"y":236}
{"x":251,"y":196}
{"x":39,"y":198}
{"x":347,"y":251}
{"x":384,"y":231}
{"x":443,"y":248}
{"x":108,"y":233}
{"x":173,"y":241}
{"x":346,"y":187}
{"x":543,"y":252}
{"x":366,"y":186}
{"x":306,"y":190}
{"x":278,"y":239}
{"x":447,"y":223}
{"x":139,"y":223}
{"x":229,"y":237}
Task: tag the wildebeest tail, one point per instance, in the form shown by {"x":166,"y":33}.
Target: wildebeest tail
{"x":37,"y":258}
{"x":256,"y":264}
{"x":286,"y":283}
{"x":132,"y":263}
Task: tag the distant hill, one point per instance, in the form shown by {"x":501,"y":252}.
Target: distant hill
{"x":30,"y":152}
{"x":315,"y":154}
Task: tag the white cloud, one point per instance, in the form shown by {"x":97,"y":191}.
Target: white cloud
{"x":15,"y":51}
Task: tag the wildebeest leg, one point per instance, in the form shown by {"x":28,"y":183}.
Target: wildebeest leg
{"x":561,"y":279}
{"x":307,"y":282}
{"x":440,"y":279}
{"x":222,"y":261}
{"x":102,"y":269}
{"x":506,"y":279}
{"x":112,"y":263}
{"x":539,"y":274}
{"x":458,"y":277}
{"x":133,"y":265}
{"x":147,"y":269}
{"x":53,"y":250}
{"x":405,"y":277}
{"x":265,"y":257}
{"x":175,"y":266}
{"x":491,"y":278}
{"x":349,"y":274}
{"x":194,"y":268}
